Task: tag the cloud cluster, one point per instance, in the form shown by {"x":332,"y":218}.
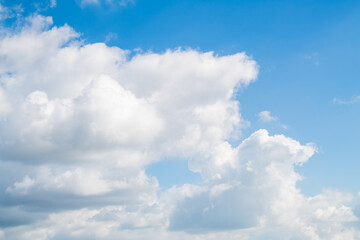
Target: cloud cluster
{"x":255,"y":189}
{"x":79,"y":124}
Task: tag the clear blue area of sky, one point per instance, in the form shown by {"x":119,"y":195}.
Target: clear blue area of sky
{"x":308,"y":52}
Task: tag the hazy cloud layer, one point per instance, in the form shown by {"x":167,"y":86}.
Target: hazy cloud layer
{"x":79,"y":123}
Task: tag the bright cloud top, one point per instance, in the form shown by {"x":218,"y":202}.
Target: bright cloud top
{"x":79,"y":123}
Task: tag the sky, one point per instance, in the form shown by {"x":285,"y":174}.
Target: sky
{"x":138,"y":119}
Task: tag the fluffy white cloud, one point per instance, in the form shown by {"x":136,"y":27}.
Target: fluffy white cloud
{"x":77,"y":103}
{"x":255,"y":187}
{"x":254,"y":195}
{"x":79,"y":123}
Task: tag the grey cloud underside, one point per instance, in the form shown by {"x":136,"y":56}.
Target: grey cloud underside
{"x":80,"y":122}
{"x":236,"y":208}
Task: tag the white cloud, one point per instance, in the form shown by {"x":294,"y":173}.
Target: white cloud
{"x":256,"y":191}
{"x":76,"y":182}
{"x":258,"y":177}
{"x":265,"y":116}
{"x":256,"y":197}
{"x":80,"y":122}
{"x":111,"y":107}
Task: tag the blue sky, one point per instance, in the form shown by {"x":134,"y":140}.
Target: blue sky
{"x":303,"y":85}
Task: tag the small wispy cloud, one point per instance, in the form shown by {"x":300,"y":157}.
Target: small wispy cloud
{"x":353,"y":100}
{"x":89,"y":2}
{"x":9,"y":12}
{"x":121,"y":2}
{"x":4,"y":12}
{"x":110,"y":36}
{"x":313,"y":57}
{"x":265,"y":116}
{"x":112,"y":2}
{"x":42,"y":6}
{"x":284,"y":126}
{"x":52,"y":3}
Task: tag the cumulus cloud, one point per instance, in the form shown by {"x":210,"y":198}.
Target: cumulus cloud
{"x":79,"y":123}
{"x":91,"y":102}
{"x":255,"y":189}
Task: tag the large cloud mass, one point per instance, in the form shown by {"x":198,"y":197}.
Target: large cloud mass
{"x":80,"y":122}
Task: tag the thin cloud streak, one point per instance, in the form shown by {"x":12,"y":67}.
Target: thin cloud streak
{"x":353,"y":100}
